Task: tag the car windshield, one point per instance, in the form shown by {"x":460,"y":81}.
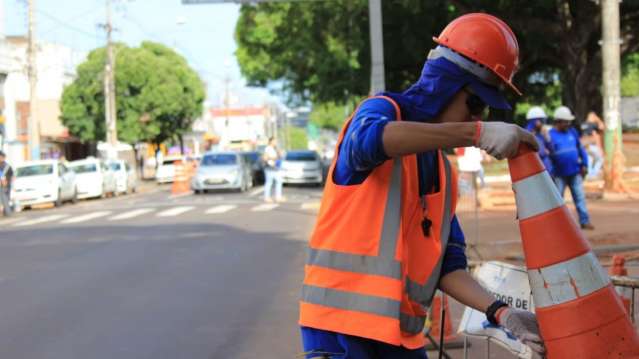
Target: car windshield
{"x":219,"y":159}
{"x":84,"y":168}
{"x":301,"y":156}
{"x":35,"y":170}
{"x":115,"y":166}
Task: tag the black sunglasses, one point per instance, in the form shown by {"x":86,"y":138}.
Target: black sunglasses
{"x":475,"y":104}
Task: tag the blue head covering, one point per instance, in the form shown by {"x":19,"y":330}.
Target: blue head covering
{"x":440,"y":80}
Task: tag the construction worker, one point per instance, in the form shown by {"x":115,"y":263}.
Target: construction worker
{"x":537,"y":124}
{"x":387,"y":236}
{"x":570,"y":162}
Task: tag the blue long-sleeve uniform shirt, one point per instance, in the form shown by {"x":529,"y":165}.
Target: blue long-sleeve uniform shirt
{"x":360,"y":152}
{"x":545,"y":146}
{"x":568,"y":155}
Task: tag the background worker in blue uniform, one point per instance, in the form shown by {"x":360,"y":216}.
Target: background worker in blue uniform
{"x":436,"y":113}
{"x":570,"y":162}
{"x":536,"y":123}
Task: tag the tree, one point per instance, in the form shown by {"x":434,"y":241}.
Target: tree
{"x":330,"y":115}
{"x":320,"y":50}
{"x":297,"y":137}
{"x":158,"y":95}
{"x":630,"y":79}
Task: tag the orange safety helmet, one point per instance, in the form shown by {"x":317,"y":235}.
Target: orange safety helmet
{"x":486,"y":40}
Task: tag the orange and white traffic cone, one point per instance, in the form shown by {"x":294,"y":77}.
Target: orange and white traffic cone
{"x":579,"y":312}
{"x":619,"y":268}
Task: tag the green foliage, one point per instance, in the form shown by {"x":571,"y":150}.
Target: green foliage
{"x":297,"y":138}
{"x":320,"y":50}
{"x":330,"y":115}
{"x":630,"y":79}
{"x":158,"y":95}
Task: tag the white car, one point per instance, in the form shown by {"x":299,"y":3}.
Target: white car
{"x":125,"y":177}
{"x":45,"y":181}
{"x":166,"y":170}
{"x":94,"y":179}
{"x":222,"y":170}
{"x":302,"y":167}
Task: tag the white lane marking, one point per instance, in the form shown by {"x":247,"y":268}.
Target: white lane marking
{"x":131,"y":214}
{"x":176,"y":211}
{"x":6,"y":222}
{"x":256,"y":191}
{"x":264,"y":207}
{"x":310,"y":206}
{"x":221,"y":209}
{"x":50,"y":218}
{"x":86,"y":217}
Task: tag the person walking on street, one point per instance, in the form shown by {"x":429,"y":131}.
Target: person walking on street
{"x":272,"y":176}
{"x":537,"y":124}
{"x":6,"y":177}
{"x":570,"y":162}
{"x":387,"y":236}
{"x":591,"y":140}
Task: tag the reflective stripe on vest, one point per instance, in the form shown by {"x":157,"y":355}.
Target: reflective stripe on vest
{"x":384,"y":264}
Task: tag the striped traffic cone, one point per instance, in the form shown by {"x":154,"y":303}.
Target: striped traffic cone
{"x":579,"y":312}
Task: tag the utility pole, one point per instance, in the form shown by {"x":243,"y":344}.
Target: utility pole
{"x":611,"y":93}
{"x":110,"y":112}
{"x":378,"y":83}
{"x":33,"y":127}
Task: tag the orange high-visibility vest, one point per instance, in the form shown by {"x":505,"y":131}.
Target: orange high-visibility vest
{"x":372,"y":270}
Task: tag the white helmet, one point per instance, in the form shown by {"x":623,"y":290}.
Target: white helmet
{"x":536,"y":112}
{"x":563,"y":113}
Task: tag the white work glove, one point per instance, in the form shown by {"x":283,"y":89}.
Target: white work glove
{"x":501,"y":140}
{"x":523,"y":325}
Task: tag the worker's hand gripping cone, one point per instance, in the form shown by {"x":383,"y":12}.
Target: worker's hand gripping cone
{"x":580,"y":314}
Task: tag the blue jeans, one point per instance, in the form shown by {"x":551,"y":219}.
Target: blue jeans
{"x":576,"y":185}
{"x":324,"y":344}
{"x":272,"y":177}
{"x":595,"y":161}
{"x":5,"y":201}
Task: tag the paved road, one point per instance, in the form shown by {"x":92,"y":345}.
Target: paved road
{"x":154,"y":276}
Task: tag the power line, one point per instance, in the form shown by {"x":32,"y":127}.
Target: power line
{"x":70,"y":27}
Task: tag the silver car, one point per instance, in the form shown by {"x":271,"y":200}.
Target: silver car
{"x":222,"y":170}
{"x":302,"y":167}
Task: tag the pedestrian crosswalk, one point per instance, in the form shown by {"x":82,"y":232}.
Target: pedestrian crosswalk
{"x":175,"y":211}
{"x":145,"y":213}
{"x":131,"y":214}
{"x":221,"y":209}
{"x":86,"y":217}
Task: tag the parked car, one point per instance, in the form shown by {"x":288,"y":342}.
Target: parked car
{"x":254,"y":160}
{"x":222,"y":170}
{"x":165,"y":172}
{"x":95,"y":179}
{"x":38,"y":182}
{"x":126,"y":180}
{"x":302,"y":167}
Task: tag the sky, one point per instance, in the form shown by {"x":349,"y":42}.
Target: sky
{"x":203,"y":34}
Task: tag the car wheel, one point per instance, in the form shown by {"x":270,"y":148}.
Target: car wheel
{"x":197,"y":191}
{"x":58,"y":201}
